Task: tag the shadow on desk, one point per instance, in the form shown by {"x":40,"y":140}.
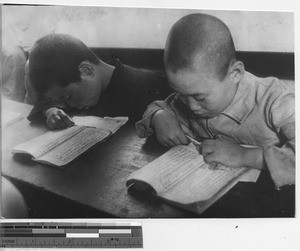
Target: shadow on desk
{"x":44,"y":204}
{"x":255,"y":200}
{"x":245,"y":200}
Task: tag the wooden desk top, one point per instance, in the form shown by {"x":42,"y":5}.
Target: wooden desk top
{"x":98,"y":177}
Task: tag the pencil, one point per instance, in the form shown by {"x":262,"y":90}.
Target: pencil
{"x":193,"y":140}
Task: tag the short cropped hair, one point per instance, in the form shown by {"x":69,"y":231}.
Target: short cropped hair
{"x":199,"y":34}
{"x":54,"y":59}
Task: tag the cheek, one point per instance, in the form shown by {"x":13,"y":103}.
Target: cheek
{"x":76,"y":99}
{"x":79,"y":96}
{"x":212,"y":104}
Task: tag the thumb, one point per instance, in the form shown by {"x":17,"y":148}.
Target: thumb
{"x":61,"y":112}
{"x":210,"y":158}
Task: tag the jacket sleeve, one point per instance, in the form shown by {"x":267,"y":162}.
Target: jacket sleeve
{"x":172,"y":105}
{"x":41,"y":106}
{"x":280,"y":159}
{"x":148,"y":87}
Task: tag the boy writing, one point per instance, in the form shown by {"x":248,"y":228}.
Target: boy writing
{"x":64,"y":73}
{"x":218,"y":102}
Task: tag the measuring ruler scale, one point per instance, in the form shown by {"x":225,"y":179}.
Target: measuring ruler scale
{"x":73,"y":235}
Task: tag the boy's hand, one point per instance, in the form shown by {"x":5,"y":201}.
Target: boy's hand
{"x":167,"y":129}
{"x":57,"y":119}
{"x":223,"y":151}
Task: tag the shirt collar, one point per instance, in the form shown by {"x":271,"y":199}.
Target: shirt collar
{"x":243,"y":101}
{"x":116,"y":76}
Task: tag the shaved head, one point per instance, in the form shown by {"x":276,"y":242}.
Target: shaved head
{"x":198,"y":40}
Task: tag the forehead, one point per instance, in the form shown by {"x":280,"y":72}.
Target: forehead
{"x":191,"y":81}
{"x":57,"y":91}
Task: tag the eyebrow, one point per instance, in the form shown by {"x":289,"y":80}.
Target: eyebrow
{"x":200,"y":95}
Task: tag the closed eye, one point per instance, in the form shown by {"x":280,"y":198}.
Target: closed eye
{"x":199,"y":99}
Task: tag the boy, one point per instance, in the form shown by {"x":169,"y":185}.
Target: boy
{"x":64,"y":73}
{"x":218,"y":102}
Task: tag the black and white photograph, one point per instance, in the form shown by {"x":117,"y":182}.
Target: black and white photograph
{"x":181,"y":118}
{"x":147,"y":113}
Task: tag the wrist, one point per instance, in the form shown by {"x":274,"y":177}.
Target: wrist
{"x":252,"y":157}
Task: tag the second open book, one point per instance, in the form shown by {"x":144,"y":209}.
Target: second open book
{"x":62,"y":146}
{"x":181,"y":177}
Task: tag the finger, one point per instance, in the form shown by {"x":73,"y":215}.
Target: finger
{"x":182,"y":139}
{"x":56,"y":122}
{"x":170,"y":144}
{"x":167,"y":144}
{"x":59,"y":122}
{"x":208,"y":142}
{"x":66,"y":119}
{"x":208,"y":146}
{"x":163,"y":142}
{"x":49,"y":125}
{"x":207,"y":149}
{"x":174,"y":141}
{"x":211,"y":158}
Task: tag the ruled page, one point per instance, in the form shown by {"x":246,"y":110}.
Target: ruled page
{"x":76,"y":145}
{"x":167,"y":170}
{"x":203,"y":184}
{"x":44,"y":143}
{"x":181,"y":175}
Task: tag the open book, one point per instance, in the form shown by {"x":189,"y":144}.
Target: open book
{"x":181,"y":177}
{"x":62,"y":146}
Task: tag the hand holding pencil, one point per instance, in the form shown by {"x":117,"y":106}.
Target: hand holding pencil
{"x":199,"y":145}
{"x":223,"y":151}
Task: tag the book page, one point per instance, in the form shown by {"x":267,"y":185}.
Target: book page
{"x":181,"y":175}
{"x":203,"y":184}
{"x":44,"y":143}
{"x":170,"y":168}
{"x":76,"y":145}
{"x":106,"y":123}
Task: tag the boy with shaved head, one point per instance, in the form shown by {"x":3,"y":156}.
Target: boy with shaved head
{"x":219,"y":103}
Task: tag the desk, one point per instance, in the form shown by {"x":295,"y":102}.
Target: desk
{"x":97,"y":178}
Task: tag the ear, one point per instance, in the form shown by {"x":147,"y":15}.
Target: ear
{"x":86,"y":69}
{"x":236,"y":71}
